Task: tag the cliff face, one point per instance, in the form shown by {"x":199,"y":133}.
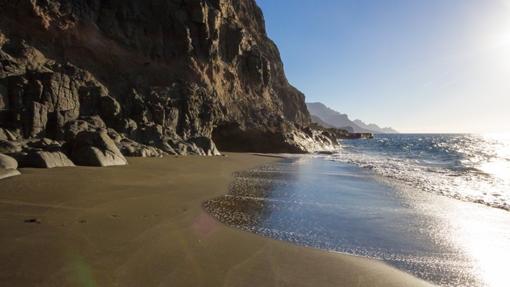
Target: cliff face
{"x":168,"y":74}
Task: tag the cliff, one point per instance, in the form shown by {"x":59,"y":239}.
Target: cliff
{"x":156,"y":77}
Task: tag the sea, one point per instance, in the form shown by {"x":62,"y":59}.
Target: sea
{"x":473,"y":168}
{"x":434,"y":205}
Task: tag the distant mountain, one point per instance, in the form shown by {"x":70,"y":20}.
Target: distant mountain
{"x":375,"y":128}
{"x":320,"y":122}
{"x":331,"y":117}
{"x":325,"y":116}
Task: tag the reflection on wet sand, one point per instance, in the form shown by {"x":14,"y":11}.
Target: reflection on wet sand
{"x":338,"y":207}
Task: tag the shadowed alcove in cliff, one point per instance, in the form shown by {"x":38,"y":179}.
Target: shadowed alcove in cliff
{"x":230,"y":137}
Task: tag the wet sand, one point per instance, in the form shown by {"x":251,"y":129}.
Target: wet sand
{"x":335,"y":206}
{"x":143,"y":225}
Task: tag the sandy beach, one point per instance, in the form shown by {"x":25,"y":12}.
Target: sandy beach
{"x":143,"y":225}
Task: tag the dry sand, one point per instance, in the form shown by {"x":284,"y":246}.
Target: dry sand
{"x":143,"y":225}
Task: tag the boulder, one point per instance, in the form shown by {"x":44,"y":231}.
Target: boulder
{"x":9,"y":147}
{"x":129,"y":126}
{"x":96,"y":149}
{"x":44,"y":144}
{"x":115,"y":136}
{"x":3,"y":135}
{"x":131,"y":148}
{"x":193,"y":149}
{"x":10,"y":135}
{"x":45,"y":159}
{"x":207,"y":145}
{"x":8,"y":166}
{"x":109,"y":108}
{"x":7,"y":162}
{"x":166,"y":145}
{"x":181,"y":147}
{"x":95,"y":122}
{"x":5,"y":173}
{"x":89,"y":123}
{"x":73,"y":128}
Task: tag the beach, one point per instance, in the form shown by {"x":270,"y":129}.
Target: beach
{"x":311,"y":201}
{"x":144,"y":225}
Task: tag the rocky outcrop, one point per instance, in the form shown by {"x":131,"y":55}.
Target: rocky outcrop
{"x":44,"y":159}
{"x":6,"y":173}
{"x":8,"y":166}
{"x":7,"y":162}
{"x":131,"y":148}
{"x":95,"y":149}
{"x":8,"y":147}
{"x":160,"y":76}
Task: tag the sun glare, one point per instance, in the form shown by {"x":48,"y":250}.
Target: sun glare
{"x":496,"y":35}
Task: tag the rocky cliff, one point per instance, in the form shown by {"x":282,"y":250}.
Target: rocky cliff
{"x":156,"y":77}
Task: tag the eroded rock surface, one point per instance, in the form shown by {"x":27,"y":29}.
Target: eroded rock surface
{"x":45,"y":159}
{"x":7,"y":162}
{"x":96,"y":149}
{"x":8,"y":166}
{"x":161,"y":76}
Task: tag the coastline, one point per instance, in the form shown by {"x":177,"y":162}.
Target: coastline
{"x":143,"y":225}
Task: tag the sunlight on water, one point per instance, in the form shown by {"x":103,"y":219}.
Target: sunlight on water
{"x":482,"y":240}
{"x":340,"y":207}
{"x":500,"y":166}
{"x":491,"y":258}
{"x":473,"y":168}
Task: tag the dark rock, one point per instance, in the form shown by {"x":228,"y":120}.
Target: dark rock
{"x":177,"y":146}
{"x":4,"y":97}
{"x":207,"y":145}
{"x":90,"y":123}
{"x":9,"y":147}
{"x":131,"y":148}
{"x":37,"y":119}
{"x":3,"y":135}
{"x":167,"y":145}
{"x":6,"y":173}
{"x":7,"y":162}
{"x":150,"y":134}
{"x":232,"y":137}
{"x":96,"y":149}
{"x":10,"y":135}
{"x":115,"y":136}
{"x":326,"y":152}
{"x":95,"y":122}
{"x":192,"y":149}
{"x":44,"y":144}
{"x":129,"y":126}
{"x":73,"y":128}
{"x":166,"y":74}
{"x":45,"y":159}
{"x":109,"y":108}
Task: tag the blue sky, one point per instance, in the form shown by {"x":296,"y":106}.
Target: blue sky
{"x":415,"y":65}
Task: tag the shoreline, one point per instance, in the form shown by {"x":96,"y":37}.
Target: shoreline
{"x":144,"y":225}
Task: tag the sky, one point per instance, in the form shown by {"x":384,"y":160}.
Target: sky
{"x":415,"y":65}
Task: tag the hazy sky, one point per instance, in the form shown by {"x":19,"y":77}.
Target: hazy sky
{"x":415,"y":65}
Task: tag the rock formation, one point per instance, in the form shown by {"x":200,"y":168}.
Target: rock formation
{"x":152,"y":77}
{"x":8,"y":166}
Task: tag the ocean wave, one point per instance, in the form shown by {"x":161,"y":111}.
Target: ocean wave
{"x":462,"y":167}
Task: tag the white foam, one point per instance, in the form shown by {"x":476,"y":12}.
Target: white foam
{"x":470,"y":184}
